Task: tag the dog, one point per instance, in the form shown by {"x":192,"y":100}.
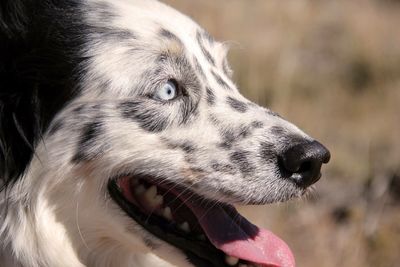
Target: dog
{"x":124,"y":142}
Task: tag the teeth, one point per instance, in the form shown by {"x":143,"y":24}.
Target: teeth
{"x":167,"y":214}
{"x":151,"y":192}
{"x":185,"y":227}
{"x":158,"y":200}
{"x":151,"y":198}
{"x":231,"y":260}
{"x":139,"y":190}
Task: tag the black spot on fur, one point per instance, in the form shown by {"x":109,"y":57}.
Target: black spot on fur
{"x":222,"y":167}
{"x":236,"y":104}
{"x":190,"y":159}
{"x":198,"y":68}
{"x":225,"y":145}
{"x":243,"y":132}
{"x":278,"y":131}
{"x":187,"y":146}
{"x":226,"y":69}
{"x":240,"y":159}
{"x":257,"y":124}
{"x":231,"y":136}
{"x":208,"y":37}
{"x":111,"y":34}
{"x":150,"y":244}
{"x":204,"y":50}
{"x":220,"y":80}
{"x":214,"y":120}
{"x":228,"y":138}
{"x":148,"y":119}
{"x":78,"y":109}
{"x":55,"y":126}
{"x":86,"y":148}
{"x":267,"y":151}
{"x":191,"y":89}
{"x":96,"y":108}
{"x":90,"y":132}
{"x":103,"y":85}
{"x":188,"y":111}
{"x":210,"y":96}
{"x":269,"y":112}
{"x":290,"y":140}
{"x":169,"y":35}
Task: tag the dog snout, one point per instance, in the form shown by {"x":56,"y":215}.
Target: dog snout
{"x":303,"y":162}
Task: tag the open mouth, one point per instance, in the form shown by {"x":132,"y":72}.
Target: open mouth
{"x":210,"y":233}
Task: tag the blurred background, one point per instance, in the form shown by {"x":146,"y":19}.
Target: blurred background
{"x":333,"y":69}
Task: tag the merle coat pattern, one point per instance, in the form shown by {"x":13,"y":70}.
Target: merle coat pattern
{"x":83,"y":101}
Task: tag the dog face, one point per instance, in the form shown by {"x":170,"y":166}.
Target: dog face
{"x":155,"y":145}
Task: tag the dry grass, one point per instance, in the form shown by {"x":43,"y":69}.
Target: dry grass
{"x":331,"y":67}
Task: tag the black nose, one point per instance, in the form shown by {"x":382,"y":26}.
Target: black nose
{"x":303,"y":162}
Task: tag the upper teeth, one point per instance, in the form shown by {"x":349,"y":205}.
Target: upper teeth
{"x":139,"y":190}
{"x":151,"y":197}
{"x":153,"y":202}
{"x":151,"y":192}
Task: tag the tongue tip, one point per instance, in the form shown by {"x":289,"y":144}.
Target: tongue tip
{"x":265,"y":248}
{"x":277,"y":252}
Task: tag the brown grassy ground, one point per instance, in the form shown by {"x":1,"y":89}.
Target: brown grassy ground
{"x":333,"y":68}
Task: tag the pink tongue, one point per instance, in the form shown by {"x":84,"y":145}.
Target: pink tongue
{"x":241,"y":239}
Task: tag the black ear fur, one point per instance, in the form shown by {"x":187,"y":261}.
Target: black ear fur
{"x":40,"y":44}
{"x":13,"y":145}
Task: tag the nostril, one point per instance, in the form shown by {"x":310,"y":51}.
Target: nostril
{"x":305,"y":167}
{"x":302,"y":162}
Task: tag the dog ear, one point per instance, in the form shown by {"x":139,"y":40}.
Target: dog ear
{"x":35,"y":78}
{"x":13,"y":18}
{"x":41,"y":61}
{"x":15,"y":139}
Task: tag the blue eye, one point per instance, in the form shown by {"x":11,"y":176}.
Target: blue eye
{"x":167,"y":92}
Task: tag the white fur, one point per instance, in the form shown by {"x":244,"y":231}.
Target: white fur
{"x":60,"y":215}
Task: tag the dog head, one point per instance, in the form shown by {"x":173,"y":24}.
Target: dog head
{"x":146,"y":140}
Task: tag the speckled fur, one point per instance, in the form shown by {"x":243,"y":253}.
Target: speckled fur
{"x":59,"y":213}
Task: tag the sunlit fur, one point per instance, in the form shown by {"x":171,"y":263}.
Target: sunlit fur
{"x":59,"y":212}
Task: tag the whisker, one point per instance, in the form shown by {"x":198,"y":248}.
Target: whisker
{"x":77,"y":221}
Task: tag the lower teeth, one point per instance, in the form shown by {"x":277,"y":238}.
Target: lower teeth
{"x":167,"y":214}
{"x":231,"y":260}
{"x":185,"y":227}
